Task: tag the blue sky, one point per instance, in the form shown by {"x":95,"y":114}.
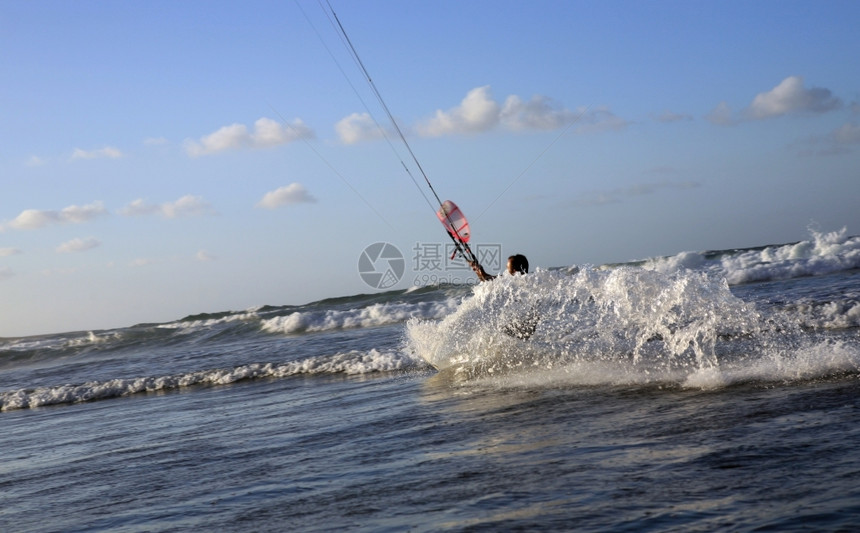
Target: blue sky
{"x":167,"y":158}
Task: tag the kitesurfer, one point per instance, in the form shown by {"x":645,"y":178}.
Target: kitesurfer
{"x":524,"y":326}
{"x":517,"y":264}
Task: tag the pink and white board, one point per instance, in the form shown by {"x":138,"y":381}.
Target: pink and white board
{"x":454,"y":221}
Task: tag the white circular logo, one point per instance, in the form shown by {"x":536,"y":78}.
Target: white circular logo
{"x":381,"y":265}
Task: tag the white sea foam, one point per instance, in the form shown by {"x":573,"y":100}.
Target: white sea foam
{"x":45,"y":345}
{"x":31,"y":343}
{"x":592,"y":315}
{"x":831,"y":315}
{"x":629,"y":326}
{"x":823,"y":253}
{"x":353,"y":362}
{"x":373,"y":315}
{"x":92,"y":338}
{"x":818,"y":359}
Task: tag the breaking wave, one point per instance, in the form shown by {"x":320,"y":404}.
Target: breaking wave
{"x":823,"y":253}
{"x":371,"y":316}
{"x":695,"y":319}
{"x":342,"y":363}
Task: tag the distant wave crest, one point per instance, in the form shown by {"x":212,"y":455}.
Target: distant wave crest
{"x":823,"y":253}
{"x":373,"y":315}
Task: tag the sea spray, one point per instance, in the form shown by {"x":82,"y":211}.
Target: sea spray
{"x":628,"y":324}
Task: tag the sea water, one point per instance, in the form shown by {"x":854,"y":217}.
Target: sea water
{"x":703,"y":391}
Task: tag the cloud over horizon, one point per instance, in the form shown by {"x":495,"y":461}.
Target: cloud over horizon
{"x":267,"y":132}
{"x":38,"y":218}
{"x":787,"y":98}
{"x":78,"y":245}
{"x":479,"y":112}
{"x":539,"y":113}
{"x":108,"y":152}
{"x":204,"y":256}
{"x":358,"y":127}
{"x":188,"y":205}
{"x":791,"y":97}
{"x":294,"y":193}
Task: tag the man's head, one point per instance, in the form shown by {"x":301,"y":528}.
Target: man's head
{"x":518,"y":264}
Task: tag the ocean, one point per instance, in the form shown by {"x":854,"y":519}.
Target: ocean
{"x":705,"y":391}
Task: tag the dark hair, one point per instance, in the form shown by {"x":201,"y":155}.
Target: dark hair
{"x":520,"y":263}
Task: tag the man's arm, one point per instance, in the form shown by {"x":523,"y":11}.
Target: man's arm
{"x":480,"y":272}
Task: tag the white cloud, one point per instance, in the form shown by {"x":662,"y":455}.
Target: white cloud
{"x":226,"y":138}
{"x":539,"y":113}
{"x":791,"y":97}
{"x":6,"y":252}
{"x":357,"y":127}
{"x":78,"y":245}
{"x":476,"y":113}
{"x":188,"y":205}
{"x":294,"y":193}
{"x":204,"y":256}
{"x":33,"y":219}
{"x":142,"y":261}
{"x":36,"y":218}
{"x":267,"y":132}
{"x":78,"y":214}
{"x":108,"y":152}
{"x":35,"y":161}
{"x":479,"y":112}
{"x":139,"y":207}
{"x":6,"y":273}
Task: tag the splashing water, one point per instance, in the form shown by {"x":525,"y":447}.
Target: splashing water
{"x":625,"y":325}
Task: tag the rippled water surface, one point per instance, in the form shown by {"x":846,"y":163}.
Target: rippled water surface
{"x":645,"y":398}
